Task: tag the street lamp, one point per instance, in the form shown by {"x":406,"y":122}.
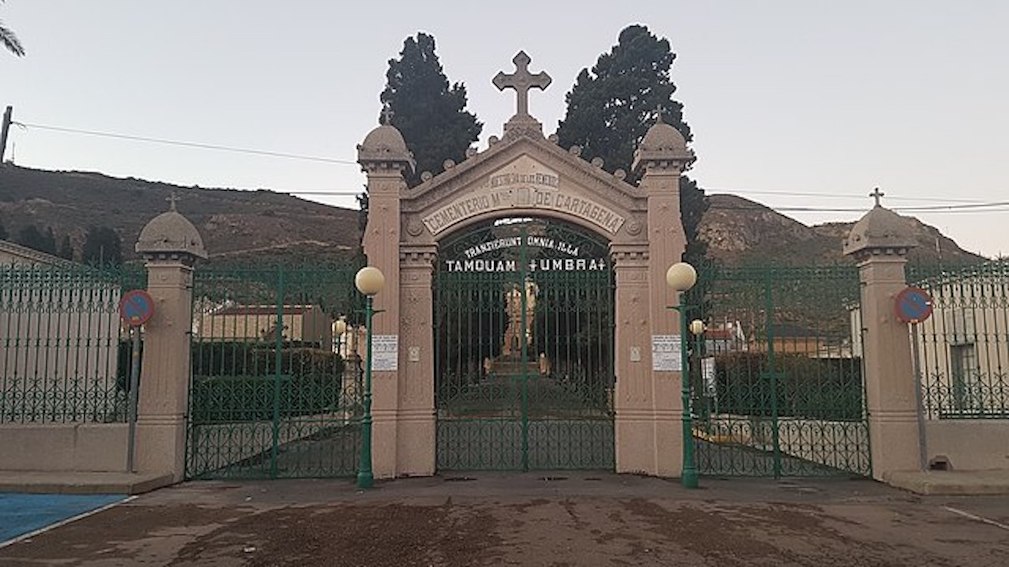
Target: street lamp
{"x":681,"y":276}
{"x":369,"y":281}
{"x":697,"y":329}
{"x":340,"y":328}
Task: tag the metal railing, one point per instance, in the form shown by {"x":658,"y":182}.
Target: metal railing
{"x":962,"y":350}
{"x":64,"y":356}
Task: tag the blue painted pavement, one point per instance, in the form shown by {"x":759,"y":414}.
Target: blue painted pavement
{"x":24,"y":513}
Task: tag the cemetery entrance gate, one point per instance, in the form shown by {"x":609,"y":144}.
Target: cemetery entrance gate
{"x":523,"y":316}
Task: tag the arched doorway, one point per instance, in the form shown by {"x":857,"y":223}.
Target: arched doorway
{"x":524,"y":362}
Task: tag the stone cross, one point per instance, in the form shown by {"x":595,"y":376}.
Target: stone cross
{"x":522,"y":80}
{"x":172,"y":199}
{"x":387,"y":115}
{"x":876,"y":194}
{"x":658,"y":113}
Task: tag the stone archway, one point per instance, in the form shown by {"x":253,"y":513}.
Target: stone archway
{"x":525,"y":175}
{"x":523,"y":324}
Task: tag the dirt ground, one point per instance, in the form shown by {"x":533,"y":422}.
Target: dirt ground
{"x":562,"y":519}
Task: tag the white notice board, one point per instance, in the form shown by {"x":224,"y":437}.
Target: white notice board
{"x":385,"y":353}
{"x":666,"y":353}
{"x":708,"y":372}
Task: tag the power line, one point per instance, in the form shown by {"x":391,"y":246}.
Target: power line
{"x":334,"y":193}
{"x":185,"y":144}
{"x":831,"y":196}
{"x":980,"y":208}
{"x":963,"y":205}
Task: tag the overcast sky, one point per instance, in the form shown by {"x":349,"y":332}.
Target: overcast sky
{"x":826,"y":98}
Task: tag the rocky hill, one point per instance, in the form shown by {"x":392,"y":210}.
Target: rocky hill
{"x":234,"y":224}
{"x":741,"y":231}
{"x":267,"y":226}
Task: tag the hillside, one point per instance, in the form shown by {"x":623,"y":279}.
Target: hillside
{"x":267,"y":226}
{"x":741,"y":231}
{"x":234,"y":224}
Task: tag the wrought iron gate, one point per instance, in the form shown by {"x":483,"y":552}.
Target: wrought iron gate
{"x":275,"y":387}
{"x":777,"y":376}
{"x":524,"y":349}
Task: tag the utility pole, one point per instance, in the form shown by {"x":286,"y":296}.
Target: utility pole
{"x":3,"y":132}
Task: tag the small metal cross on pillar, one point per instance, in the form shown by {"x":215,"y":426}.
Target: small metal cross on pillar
{"x":522,"y":80}
{"x":172,"y":199}
{"x":658,"y":113}
{"x":876,"y":194}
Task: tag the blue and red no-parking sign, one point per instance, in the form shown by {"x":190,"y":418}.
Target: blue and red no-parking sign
{"x":913,"y":305}
{"x":136,"y":307}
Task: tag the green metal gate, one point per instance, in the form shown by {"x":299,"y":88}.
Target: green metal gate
{"x":275,"y":388}
{"x":524,"y":349}
{"x":777,"y":376}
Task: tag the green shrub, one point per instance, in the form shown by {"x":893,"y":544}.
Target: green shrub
{"x":800,"y":386}
{"x":242,"y":382}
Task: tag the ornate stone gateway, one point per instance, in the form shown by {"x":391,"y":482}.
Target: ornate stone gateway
{"x":523,"y":320}
{"x":521,"y":250}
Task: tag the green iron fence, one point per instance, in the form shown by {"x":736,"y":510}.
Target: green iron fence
{"x":64,"y":356}
{"x":961,"y":352}
{"x":777,"y":376}
{"x":276,"y":388}
{"x":524,"y":337}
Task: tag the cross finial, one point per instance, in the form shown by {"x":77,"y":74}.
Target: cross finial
{"x":658,"y":113}
{"x":522,"y":80}
{"x":172,"y":199}
{"x":876,"y":194}
{"x":387,"y":114}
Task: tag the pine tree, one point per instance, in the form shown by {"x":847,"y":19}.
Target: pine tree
{"x":10,"y":40}
{"x":102,"y":246}
{"x":611,"y":108}
{"x":3,"y":232}
{"x":429,"y":113}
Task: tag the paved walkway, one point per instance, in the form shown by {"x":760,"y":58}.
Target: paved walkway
{"x":952,"y":482}
{"x":525,"y":519}
{"x":75,"y":482}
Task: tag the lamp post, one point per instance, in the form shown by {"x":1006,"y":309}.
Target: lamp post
{"x":697,"y":329}
{"x":681,"y":276}
{"x":340,"y":328}
{"x":369,"y":281}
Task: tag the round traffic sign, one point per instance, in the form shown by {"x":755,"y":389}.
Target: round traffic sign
{"x":913,"y":305}
{"x":136,"y":307}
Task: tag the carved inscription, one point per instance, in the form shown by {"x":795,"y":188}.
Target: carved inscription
{"x":528,"y":197}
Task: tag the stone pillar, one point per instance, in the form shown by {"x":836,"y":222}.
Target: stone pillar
{"x":660,"y":159}
{"x":416,"y":417}
{"x":171,"y":245}
{"x":879,"y":242}
{"x":634,"y":399}
{"x":384,"y":157}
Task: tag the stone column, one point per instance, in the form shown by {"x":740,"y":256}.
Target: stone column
{"x":660,"y":159}
{"x":416,"y":417}
{"x":634,"y":400}
{"x":879,"y":242}
{"x":384,"y":157}
{"x":171,"y":245}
